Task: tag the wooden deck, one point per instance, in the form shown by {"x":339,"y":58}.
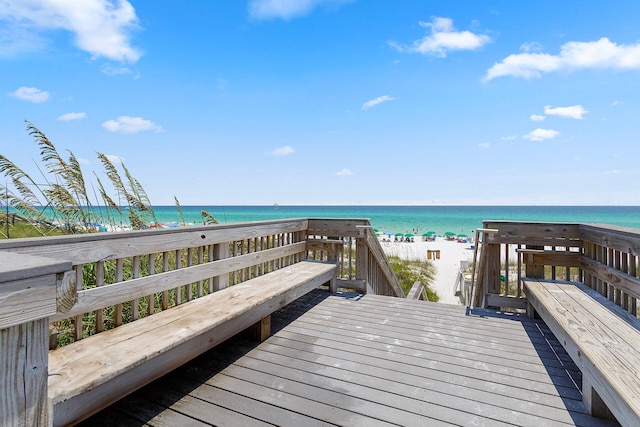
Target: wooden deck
{"x":349,"y":359}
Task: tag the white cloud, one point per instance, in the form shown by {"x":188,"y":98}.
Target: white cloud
{"x":537,"y":117}
{"x":509,"y":138}
{"x":374,"y":102}
{"x":601,"y":54}
{"x":484,"y":145}
{"x":344,"y":172}
{"x":444,"y":38}
{"x":283,"y":151}
{"x":573,"y":112}
{"x":100,"y":27}
{"x":286,"y":9}
{"x":127,"y":124}
{"x":72,"y":116}
{"x":616,"y":103}
{"x":110,"y":70}
{"x":541,"y":134}
{"x":31,"y":94}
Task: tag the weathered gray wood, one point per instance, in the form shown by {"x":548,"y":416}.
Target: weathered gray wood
{"x":81,"y":249}
{"x":603,"y":340}
{"x":28,"y":292}
{"x":417,"y":292}
{"x":341,"y":227}
{"x":105,"y":296}
{"x":89,"y":374}
{"x":23,"y":374}
{"x":372,"y":369}
{"x":15,"y":267}
{"x":622,"y":281}
{"x":382,"y":263}
{"x":503,"y":301}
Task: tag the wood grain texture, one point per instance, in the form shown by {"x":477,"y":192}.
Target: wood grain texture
{"x":23,"y":374}
{"x":601,"y":338}
{"x":94,"y":372}
{"x":349,"y":359}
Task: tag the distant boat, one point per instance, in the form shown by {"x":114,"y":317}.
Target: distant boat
{"x":276,"y":206}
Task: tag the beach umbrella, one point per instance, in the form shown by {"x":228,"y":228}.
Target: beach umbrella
{"x":449,"y":233}
{"x":430,"y":233}
{"x":427,"y":234}
{"x":409,"y":235}
{"x":462,"y":235}
{"x":399,"y":235}
{"x":375,"y":230}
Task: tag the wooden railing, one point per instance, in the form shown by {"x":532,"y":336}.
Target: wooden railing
{"x":604,"y":257}
{"x":82,"y":285}
{"x":124,"y":276}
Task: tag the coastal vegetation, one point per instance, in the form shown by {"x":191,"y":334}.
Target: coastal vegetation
{"x":408,"y":272}
{"x":60,"y":201}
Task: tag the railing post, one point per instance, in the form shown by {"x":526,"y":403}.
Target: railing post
{"x":28,"y":296}
{"x":362,"y":256}
{"x":221,"y":251}
{"x":532,"y":270}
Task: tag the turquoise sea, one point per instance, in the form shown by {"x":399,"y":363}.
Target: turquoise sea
{"x":414,"y":219}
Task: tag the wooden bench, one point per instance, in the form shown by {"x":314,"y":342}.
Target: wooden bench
{"x":89,"y":375}
{"x":601,"y":338}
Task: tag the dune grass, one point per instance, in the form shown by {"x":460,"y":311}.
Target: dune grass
{"x":409,"y":272}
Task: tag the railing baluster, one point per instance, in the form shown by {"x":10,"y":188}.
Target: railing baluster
{"x":178,"y":290}
{"x":151,"y":269}
{"x":135,"y":309}
{"x":189,"y":264}
{"x":78,"y":320}
{"x":99,"y":326}
{"x":119,"y":278}
{"x":165,"y":268}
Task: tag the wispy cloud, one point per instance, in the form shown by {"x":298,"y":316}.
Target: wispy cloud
{"x":128,"y":124}
{"x":600,"y":54}
{"x":283,"y":151}
{"x":72,"y":116}
{"x":110,"y":70}
{"x":100,"y":27}
{"x":537,"y":117}
{"x":541,"y":134}
{"x":484,"y":145}
{"x":443,"y":38}
{"x":287,"y":9}
{"x":344,"y":172}
{"x":573,"y":112}
{"x":374,"y":102}
{"x":31,"y":94}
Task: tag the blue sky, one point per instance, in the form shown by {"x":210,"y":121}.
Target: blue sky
{"x":333,"y":102}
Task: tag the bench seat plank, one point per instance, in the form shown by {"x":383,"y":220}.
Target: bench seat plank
{"x":602,"y":339}
{"x":88,"y":375}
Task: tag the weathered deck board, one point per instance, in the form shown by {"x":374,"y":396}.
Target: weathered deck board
{"x":352,"y":360}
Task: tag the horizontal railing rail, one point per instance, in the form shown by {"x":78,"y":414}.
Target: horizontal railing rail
{"x":122,"y":277}
{"x":604,"y":257}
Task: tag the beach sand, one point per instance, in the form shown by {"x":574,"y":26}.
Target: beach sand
{"x":447,"y":267}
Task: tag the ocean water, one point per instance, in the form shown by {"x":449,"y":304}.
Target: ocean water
{"x":413,"y":219}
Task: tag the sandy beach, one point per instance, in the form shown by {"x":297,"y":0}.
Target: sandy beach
{"x":447,"y":267}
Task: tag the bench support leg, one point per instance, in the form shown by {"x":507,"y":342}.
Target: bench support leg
{"x":531,"y":312}
{"x":333,"y":286}
{"x":261,"y":330}
{"x":592,"y":400}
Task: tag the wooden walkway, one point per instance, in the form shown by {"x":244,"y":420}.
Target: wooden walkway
{"x":348,"y":359}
